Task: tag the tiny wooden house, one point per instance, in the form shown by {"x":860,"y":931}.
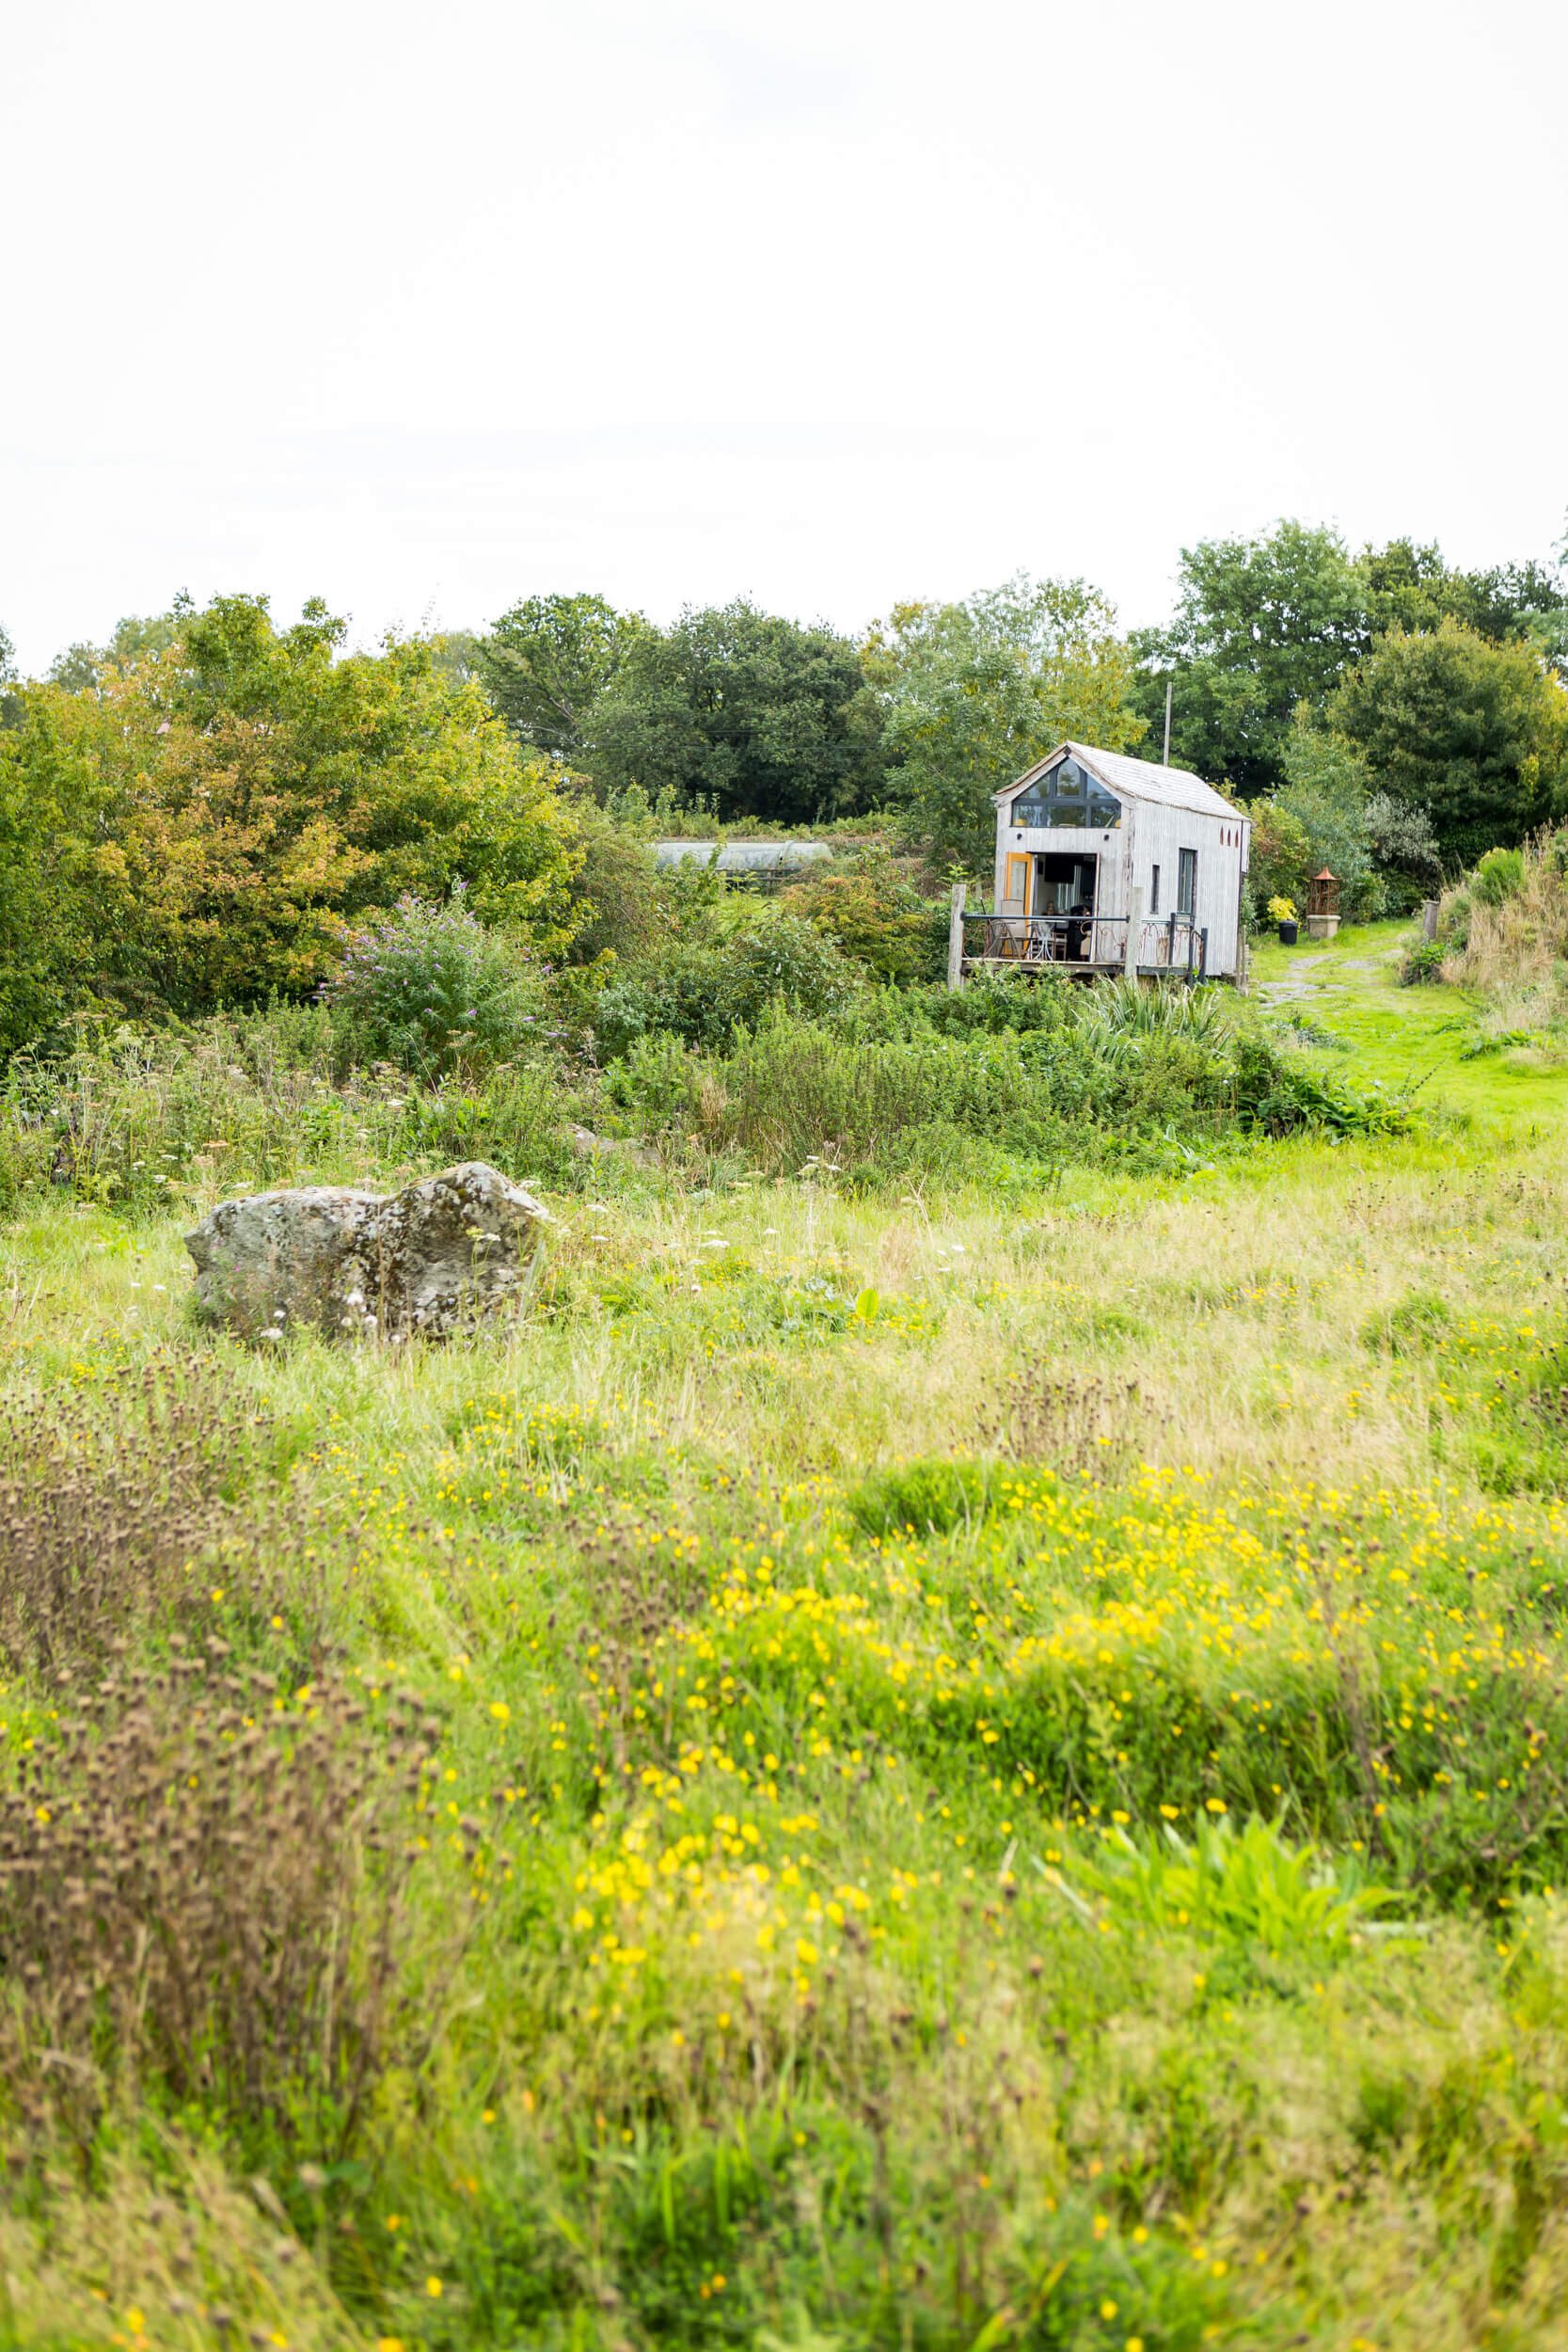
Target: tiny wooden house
{"x":1107,"y":863}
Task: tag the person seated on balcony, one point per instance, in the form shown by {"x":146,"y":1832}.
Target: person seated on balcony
{"x":1078,"y":931}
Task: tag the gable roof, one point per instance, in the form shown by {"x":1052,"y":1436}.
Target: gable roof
{"x":1138,"y":779}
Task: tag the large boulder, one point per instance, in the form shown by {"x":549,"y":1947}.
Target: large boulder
{"x":439,"y":1256}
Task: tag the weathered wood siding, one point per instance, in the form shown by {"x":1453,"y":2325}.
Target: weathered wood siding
{"x":1151,"y":834}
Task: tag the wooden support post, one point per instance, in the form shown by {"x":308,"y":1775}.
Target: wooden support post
{"x":1134,"y":930}
{"x":955,"y":937}
{"x":1429,"y":920}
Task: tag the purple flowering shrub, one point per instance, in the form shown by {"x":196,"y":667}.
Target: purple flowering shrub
{"x":430,"y":988}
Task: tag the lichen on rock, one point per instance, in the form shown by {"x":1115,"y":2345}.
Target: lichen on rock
{"x":443,"y":1255}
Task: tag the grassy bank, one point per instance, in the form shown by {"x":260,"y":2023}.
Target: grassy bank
{"x":975,"y":1768}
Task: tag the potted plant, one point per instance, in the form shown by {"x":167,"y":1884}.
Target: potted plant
{"x":1283,"y":912}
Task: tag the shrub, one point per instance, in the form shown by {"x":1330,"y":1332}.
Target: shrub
{"x":517,"y":1118}
{"x":432,"y":990}
{"x":991,"y":1001}
{"x":1405,"y":848}
{"x":1275,"y":1091}
{"x":1122,"y":1070}
{"x":1422,"y":965}
{"x":876,"y":919}
{"x":1500,"y":876}
{"x":1125,"y":1010}
{"x":1279,"y":858}
{"x":617,"y":896}
{"x":701,"y":994}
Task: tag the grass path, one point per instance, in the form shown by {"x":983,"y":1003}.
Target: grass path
{"x":1407,"y":1036}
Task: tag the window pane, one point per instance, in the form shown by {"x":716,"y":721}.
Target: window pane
{"x":1067,"y":797}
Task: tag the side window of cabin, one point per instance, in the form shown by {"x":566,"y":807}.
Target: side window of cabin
{"x":1186,"y":883}
{"x":1154,"y":893}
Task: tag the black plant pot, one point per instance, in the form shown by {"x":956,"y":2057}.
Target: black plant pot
{"x":1287,"y":934}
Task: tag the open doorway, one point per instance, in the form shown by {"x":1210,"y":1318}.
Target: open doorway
{"x":1064,"y":885}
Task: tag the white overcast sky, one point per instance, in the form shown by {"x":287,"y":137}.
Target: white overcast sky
{"x":425,"y":310}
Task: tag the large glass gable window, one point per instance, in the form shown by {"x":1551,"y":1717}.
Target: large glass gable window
{"x":1067,"y":795}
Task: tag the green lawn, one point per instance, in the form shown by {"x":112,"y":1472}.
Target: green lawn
{"x":1404,"y":1037}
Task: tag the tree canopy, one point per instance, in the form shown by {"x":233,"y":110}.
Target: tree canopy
{"x":78,"y":667}
{"x":1264,"y":625}
{"x":546,"y":663}
{"x":1409,"y":587}
{"x":207,"y":821}
{"x":1261,"y":625}
{"x":1474,"y":732}
{"x":759,"y":715}
{"x":974,"y":692}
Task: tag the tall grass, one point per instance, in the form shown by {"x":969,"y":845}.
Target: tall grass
{"x":134,"y":1120}
{"x":1508,"y":943}
{"x":769,"y":1668}
{"x":1124,"y":1075}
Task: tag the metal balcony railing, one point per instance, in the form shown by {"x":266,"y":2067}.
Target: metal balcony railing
{"x":1170,"y":943}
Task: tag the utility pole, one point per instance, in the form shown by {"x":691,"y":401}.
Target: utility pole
{"x":1168,"y":722}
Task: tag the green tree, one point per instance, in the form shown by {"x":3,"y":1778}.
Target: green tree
{"x":548,"y":661}
{"x":1326,"y":791}
{"x":78,"y":668}
{"x":1409,"y":587}
{"x":1474,"y":732}
{"x":974,"y":692}
{"x":765,"y":718}
{"x":1261,"y":625}
{"x":456,"y":651}
{"x":215,"y":817}
{"x":52,"y":805}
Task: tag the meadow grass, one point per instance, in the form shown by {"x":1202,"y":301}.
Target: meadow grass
{"x":941,"y":1770}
